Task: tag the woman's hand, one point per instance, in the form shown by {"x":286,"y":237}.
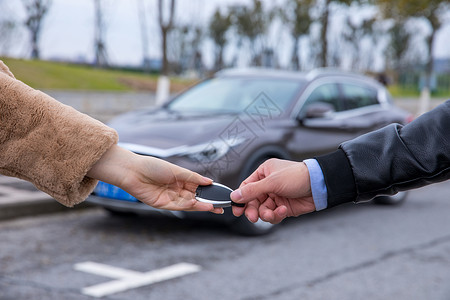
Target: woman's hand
{"x":153,"y":181}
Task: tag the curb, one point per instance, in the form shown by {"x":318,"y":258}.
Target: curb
{"x":19,"y":198}
{"x":35,"y":207}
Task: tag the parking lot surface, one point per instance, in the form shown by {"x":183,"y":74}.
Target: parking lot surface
{"x":359,"y":251}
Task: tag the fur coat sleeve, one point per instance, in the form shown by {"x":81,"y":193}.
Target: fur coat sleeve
{"x":47,"y":143}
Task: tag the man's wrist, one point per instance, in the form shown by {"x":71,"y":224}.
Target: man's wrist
{"x":318,"y":187}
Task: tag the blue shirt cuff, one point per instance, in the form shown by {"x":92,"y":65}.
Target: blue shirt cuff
{"x":318,"y":187}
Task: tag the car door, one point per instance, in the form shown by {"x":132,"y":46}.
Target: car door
{"x":363,"y":111}
{"x":330,"y":113}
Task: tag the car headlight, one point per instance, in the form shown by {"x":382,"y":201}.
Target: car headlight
{"x":212,"y":151}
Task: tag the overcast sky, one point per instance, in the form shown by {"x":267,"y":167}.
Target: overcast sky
{"x":68,"y":29}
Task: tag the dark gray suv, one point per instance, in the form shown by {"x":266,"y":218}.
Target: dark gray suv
{"x":226,"y":126}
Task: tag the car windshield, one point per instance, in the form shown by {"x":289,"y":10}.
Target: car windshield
{"x":234,"y":95}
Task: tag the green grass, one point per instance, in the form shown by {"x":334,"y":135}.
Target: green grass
{"x":398,"y":91}
{"x":47,"y":75}
{"x":63,"y":76}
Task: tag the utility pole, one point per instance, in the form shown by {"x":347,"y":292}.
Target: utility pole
{"x":99,"y":43}
{"x":144,"y":36}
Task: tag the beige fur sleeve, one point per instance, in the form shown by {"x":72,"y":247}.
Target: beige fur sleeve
{"x":47,"y":143}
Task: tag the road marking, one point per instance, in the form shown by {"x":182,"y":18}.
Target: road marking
{"x":105,"y":270}
{"x":128,"y":279}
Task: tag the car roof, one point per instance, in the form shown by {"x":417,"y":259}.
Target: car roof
{"x":285,"y":74}
{"x":261,"y":73}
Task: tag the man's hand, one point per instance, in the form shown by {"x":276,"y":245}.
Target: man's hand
{"x":276,"y":190}
{"x":151,"y":180}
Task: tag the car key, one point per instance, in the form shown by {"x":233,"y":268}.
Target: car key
{"x":217,"y":194}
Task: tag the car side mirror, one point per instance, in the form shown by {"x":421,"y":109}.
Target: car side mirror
{"x":317,"y":110}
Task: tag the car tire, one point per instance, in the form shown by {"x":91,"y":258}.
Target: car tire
{"x":244,"y":227}
{"x":119,"y":213}
{"x":396,"y":199}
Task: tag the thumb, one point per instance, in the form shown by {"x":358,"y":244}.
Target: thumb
{"x":251,"y":191}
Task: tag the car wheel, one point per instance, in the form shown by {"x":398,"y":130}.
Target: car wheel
{"x":243,"y":226}
{"x":119,"y":213}
{"x":396,"y":199}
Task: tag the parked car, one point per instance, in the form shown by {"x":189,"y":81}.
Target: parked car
{"x":226,"y":126}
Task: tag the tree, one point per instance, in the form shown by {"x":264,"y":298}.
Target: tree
{"x":101,"y":58}
{"x":35,"y":12}
{"x":163,"y":87}
{"x":252,"y":23}
{"x":185,"y":48}
{"x":8,"y":26}
{"x":398,"y":45}
{"x":166,"y":27}
{"x":324,"y":22}
{"x":218,"y":28}
{"x":178,"y":48}
{"x":197,"y":57}
{"x":7,"y":29}
{"x":296,"y":15}
{"x":430,"y":10}
{"x":355,"y":36}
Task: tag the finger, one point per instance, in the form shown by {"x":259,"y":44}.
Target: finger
{"x":255,"y":176}
{"x":251,"y":211}
{"x":199,"y":206}
{"x":267,"y":215}
{"x":270,"y":211}
{"x":218,"y":211}
{"x":194,"y":205}
{"x":188,"y":176}
{"x":236,"y":195}
{"x":198,"y":179}
{"x":237,"y":211}
{"x":280,"y":213}
{"x":204,"y":180}
{"x":251,"y":191}
{"x":266,"y":209}
{"x":273,"y":216}
{"x":191,"y":205}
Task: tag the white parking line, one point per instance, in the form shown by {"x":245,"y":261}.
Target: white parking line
{"x":105,"y":270}
{"x":128,"y":279}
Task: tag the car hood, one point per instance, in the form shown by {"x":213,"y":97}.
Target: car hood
{"x":165,"y":130}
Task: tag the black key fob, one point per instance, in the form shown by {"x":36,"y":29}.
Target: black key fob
{"x":216,"y":194}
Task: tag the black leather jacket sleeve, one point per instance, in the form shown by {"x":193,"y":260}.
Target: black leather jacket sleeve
{"x":392,"y":159}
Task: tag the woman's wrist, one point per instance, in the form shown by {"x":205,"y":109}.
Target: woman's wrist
{"x":114,"y":167}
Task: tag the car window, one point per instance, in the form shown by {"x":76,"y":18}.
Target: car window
{"x":356,"y":96}
{"x":235,"y":94}
{"x":326,"y":93}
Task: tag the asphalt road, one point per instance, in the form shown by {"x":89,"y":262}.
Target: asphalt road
{"x":350,"y":252}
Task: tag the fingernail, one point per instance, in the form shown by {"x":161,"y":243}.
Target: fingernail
{"x":207,"y":178}
{"x":218,"y":212}
{"x":236,"y":195}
